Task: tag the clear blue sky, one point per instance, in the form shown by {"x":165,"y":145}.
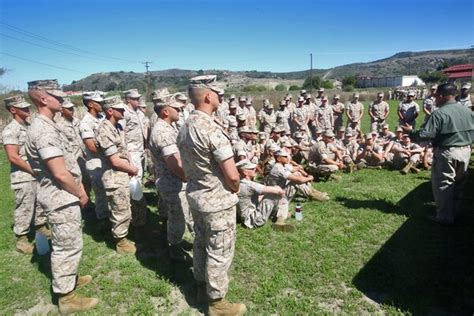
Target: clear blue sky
{"x":233,"y":35}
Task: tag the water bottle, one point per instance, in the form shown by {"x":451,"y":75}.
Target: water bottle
{"x":136,"y":192}
{"x":42,"y":244}
{"x":298,"y":212}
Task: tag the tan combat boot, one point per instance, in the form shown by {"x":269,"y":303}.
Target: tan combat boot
{"x":44,"y":230}
{"x":223,"y":307}
{"x":316,"y":195}
{"x":23,"y":245}
{"x":281,"y":226}
{"x":83,"y":280}
{"x":71,"y":303}
{"x":414,"y":169}
{"x":407,"y":168}
{"x":125,"y":246}
{"x":361,"y":165}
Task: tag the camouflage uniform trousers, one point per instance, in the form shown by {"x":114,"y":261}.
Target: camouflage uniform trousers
{"x":400,"y":161}
{"x":179,"y":215}
{"x":376,"y":125}
{"x":272,"y":205}
{"x":354,"y":125}
{"x":27,"y":209}
{"x":322,"y":170}
{"x":213,"y":249}
{"x":139,"y":209}
{"x":100,"y":196}
{"x":120,"y":211}
{"x":66,"y":240}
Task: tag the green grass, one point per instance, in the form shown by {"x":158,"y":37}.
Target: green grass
{"x":368,"y":250}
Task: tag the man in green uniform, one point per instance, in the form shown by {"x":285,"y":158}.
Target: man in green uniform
{"x":450,"y":129}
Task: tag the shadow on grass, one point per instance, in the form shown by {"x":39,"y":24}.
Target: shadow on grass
{"x":424,"y":268}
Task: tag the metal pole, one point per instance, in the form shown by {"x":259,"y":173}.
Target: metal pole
{"x":311,"y":72}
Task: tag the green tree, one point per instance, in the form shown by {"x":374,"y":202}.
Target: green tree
{"x":349,"y":81}
{"x":294,"y":87}
{"x":312,"y":83}
{"x":327,"y":84}
{"x":433,"y":76}
{"x":280,"y":87}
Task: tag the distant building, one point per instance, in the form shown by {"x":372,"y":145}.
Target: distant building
{"x":394,"y":81}
{"x":459,"y":73}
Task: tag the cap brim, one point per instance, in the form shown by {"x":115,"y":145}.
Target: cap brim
{"x":22,"y":105}
{"x":57,"y":93}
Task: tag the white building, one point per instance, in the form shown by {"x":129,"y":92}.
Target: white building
{"x":394,"y":81}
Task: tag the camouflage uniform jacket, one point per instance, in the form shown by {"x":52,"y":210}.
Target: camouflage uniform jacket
{"x":88,"y":129}
{"x":355,"y":110}
{"x":15,"y":134}
{"x":46,"y":141}
{"x":203,"y":144}
{"x":163,"y":144}
{"x":378,"y":110}
{"x":72,"y":133}
{"x":134,"y":129}
{"x":111,"y":142}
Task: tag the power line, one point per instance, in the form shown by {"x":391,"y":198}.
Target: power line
{"x":44,"y":64}
{"x":146,"y":63}
{"x":57,"y":43}
{"x":50,"y":48}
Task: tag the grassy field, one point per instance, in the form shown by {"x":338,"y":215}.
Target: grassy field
{"x":369,"y":250}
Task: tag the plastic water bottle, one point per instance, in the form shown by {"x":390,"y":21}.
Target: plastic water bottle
{"x":298,"y":212}
{"x":135,"y":186}
{"x":42,"y":244}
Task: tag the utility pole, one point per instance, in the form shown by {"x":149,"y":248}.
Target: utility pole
{"x":146,"y":63}
{"x":311,"y":72}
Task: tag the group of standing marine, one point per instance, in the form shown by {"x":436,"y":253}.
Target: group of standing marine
{"x":204,"y":161}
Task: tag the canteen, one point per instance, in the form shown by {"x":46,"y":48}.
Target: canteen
{"x":42,"y":244}
{"x":135,"y":186}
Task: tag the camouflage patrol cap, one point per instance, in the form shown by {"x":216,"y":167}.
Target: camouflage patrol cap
{"x":245,"y":164}
{"x":355,"y":95}
{"x":232,"y":96}
{"x":319,"y":130}
{"x":299,"y":135}
{"x":321,"y":90}
{"x":270,"y":106}
{"x":67,"y":104}
{"x":434,"y":87}
{"x":300,"y":99}
{"x":278,"y":129}
{"x":262,"y":135}
{"x":282,"y":103}
{"x":385,"y":126}
{"x":337,"y":96}
{"x":232,"y":123}
{"x":113,"y":102}
{"x":242,"y":99}
{"x":302,"y":92}
{"x":349,"y":133}
{"x":368,"y":136}
{"x":244,"y":129}
{"x":411,"y":93}
{"x":142,"y":103}
{"x":160,"y":94}
{"x":287,"y":98}
{"x":205,"y":82}
{"x":329,"y":133}
{"x":466,"y":86}
{"x":180,"y":97}
{"x":266,"y":102}
{"x":51,"y":86}
{"x":132,"y":94}
{"x":399,"y":129}
{"x":248,"y":102}
{"x":380,"y":94}
{"x":308,"y":96}
{"x":242,"y":116}
{"x":16,"y":101}
{"x":342,"y":129}
{"x":281,"y":153}
{"x":324,"y":98}
{"x":97,"y":96}
{"x":232,"y":105}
